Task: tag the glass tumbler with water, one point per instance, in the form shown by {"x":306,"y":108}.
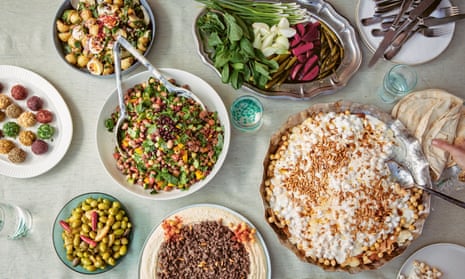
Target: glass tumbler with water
{"x":15,"y":221}
{"x":398,"y":82}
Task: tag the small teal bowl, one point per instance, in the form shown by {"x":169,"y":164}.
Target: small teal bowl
{"x":58,"y":241}
{"x":247,"y":113}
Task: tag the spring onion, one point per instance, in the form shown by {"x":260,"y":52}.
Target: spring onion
{"x":266,"y":12}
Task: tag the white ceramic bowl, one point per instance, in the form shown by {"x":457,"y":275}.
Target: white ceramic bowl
{"x":106,"y":144}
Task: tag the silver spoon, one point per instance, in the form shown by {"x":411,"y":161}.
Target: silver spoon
{"x":405,"y":178}
{"x":74,"y":3}
{"x":168,"y":85}
{"x":122,"y":106}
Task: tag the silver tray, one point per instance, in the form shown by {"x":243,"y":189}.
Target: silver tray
{"x":406,"y":153}
{"x":323,"y":12}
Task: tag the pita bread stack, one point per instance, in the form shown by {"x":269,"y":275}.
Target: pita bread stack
{"x":430,"y":114}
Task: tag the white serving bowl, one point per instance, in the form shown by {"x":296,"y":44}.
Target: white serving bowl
{"x":106,"y":144}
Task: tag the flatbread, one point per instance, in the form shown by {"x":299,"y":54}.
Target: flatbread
{"x":430,"y":114}
{"x":460,"y":133}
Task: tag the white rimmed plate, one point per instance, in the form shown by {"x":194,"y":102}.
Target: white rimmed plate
{"x":194,"y":214}
{"x":417,"y":50}
{"x":36,"y":85}
{"x":447,"y":257}
{"x":106,"y":144}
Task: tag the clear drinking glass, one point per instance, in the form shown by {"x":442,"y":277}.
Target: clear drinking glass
{"x":398,"y":82}
{"x":15,"y":221}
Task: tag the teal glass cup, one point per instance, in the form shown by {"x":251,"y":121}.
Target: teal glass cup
{"x":398,"y":82}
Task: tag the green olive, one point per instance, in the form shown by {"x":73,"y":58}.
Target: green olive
{"x":123,"y":250}
{"x":124,"y":241}
{"x":102,"y":247}
{"x":85,"y":228}
{"x":111,"y":261}
{"x":116,"y":225}
{"x":86,"y":261}
{"x":99,"y":263}
{"x":112,"y":222}
{"x":90,"y":267}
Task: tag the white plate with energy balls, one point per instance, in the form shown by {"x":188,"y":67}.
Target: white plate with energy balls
{"x":204,"y":241}
{"x":439,"y":260}
{"x":35,"y":123}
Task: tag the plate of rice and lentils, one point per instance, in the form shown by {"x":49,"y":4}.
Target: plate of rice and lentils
{"x":205,"y":241}
{"x":171,"y":147}
{"x":35,"y":124}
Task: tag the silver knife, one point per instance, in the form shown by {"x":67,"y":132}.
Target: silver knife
{"x":393,"y":32}
{"x":429,"y":21}
{"x":434,"y":21}
{"x":409,"y":31}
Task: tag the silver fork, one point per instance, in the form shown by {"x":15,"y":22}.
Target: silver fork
{"x":452,"y":10}
{"x":433,"y":32}
{"x":403,"y":37}
{"x":445,"y":12}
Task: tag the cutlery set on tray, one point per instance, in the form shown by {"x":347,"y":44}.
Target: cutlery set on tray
{"x":400,"y":20}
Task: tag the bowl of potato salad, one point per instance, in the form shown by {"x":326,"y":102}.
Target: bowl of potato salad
{"x":84,"y":36}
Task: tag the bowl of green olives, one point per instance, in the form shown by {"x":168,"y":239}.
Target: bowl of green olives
{"x":92,"y":233}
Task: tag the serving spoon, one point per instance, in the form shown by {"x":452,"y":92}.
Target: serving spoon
{"x":404,"y":177}
{"x":171,"y":88}
{"x":122,"y":106}
{"x":74,"y":3}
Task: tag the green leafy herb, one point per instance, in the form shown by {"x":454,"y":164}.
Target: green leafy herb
{"x":230,"y":47}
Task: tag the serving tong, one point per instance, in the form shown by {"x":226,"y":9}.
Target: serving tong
{"x":171,"y":88}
